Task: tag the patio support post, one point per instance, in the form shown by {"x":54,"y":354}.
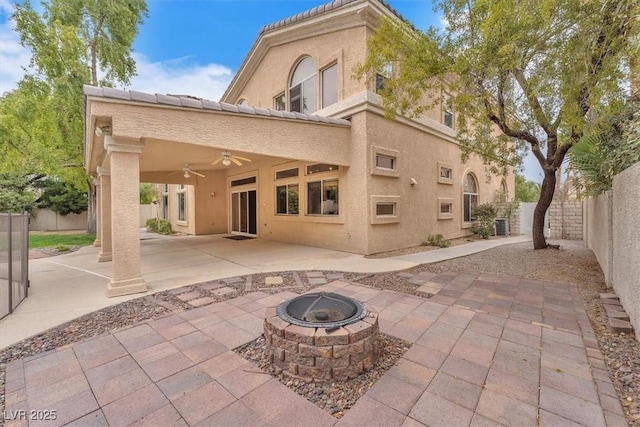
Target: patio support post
{"x":126,"y":275}
{"x":105,"y":215}
{"x":98,"y":241}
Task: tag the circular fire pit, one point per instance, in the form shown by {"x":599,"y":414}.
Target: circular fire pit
{"x":321,"y":309}
{"x":321,"y":336}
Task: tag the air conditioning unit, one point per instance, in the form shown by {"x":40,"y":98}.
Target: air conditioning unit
{"x":502,"y":227}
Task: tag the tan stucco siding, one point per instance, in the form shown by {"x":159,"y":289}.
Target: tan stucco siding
{"x":251,"y":134}
{"x":419,"y":156}
{"x":211,"y":203}
{"x":272,"y":76}
{"x":329,"y":231}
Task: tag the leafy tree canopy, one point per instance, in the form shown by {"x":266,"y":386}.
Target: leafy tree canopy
{"x":147,"y":193}
{"x":526,"y":191}
{"x":73,"y":42}
{"x":61,"y":197}
{"x":16,"y":194}
{"x":610,"y":148}
{"x":518,"y":72}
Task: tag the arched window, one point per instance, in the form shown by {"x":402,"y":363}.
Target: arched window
{"x":302,"y":91}
{"x":504,"y":191}
{"x":470,"y":196}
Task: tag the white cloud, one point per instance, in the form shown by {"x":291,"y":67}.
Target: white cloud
{"x":180,"y":76}
{"x":176,"y":76}
{"x":13,"y":57}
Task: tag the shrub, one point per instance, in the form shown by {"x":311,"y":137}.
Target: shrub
{"x":152,"y":225}
{"x":436,"y":240}
{"x":485,"y":215}
{"x":63,"y":248}
{"x":61,"y":197}
{"x":164,"y":227}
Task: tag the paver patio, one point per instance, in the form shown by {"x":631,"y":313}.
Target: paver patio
{"x":487,"y":350}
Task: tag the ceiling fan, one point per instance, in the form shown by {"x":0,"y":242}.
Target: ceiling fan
{"x":226,"y":158}
{"x":187,"y":172}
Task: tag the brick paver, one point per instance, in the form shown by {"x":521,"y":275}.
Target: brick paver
{"x":487,"y":350}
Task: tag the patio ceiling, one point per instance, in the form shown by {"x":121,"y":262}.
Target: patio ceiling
{"x":173,"y":134}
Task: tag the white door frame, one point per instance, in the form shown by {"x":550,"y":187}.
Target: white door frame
{"x":238,"y":232}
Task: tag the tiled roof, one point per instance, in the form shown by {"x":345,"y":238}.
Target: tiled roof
{"x":318,"y":10}
{"x":204,"y":104}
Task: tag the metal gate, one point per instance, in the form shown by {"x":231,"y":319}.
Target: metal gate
{"x":14,"y":261}
{"x":526,"y":219}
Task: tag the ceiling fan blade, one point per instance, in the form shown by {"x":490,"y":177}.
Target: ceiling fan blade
{"x":198,"y":173}
{"x":236,"y":161}
{"x":242,"y":158}
{"x":216,"y":161}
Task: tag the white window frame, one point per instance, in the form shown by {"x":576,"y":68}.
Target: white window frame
{"x":382,"y":76}
{"x":445,"y":166}
{"x":393,"y":205}
{"x":323,"y":200}
{"x":286,"y":187}
{"x":469,"y":195}
{"x":445,"y":215}
{"x":332,"y":169}
{"x":375,"y":200}
{"x":310,"y":109}
{"x":164,"y":196}
{"x":386,"y":152}
{"x":181,"y":192}
{"x":447,"y":111}
{"x":282,"y":107}
{"x":275,"y":174}
{"x":322,"y":84}
{"x":384,"y":156}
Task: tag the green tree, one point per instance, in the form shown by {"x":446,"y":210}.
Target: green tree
{"x":526,"y":191}
{"x":613,"y":146}
{"x":73,"y":42}
{"x":533,"y":70}
{"x":60,"y":197}
{"x":16,"y":194}
{"x":147,"y":193}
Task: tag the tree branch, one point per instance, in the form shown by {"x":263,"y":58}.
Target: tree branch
{"x":94,"y":41}
{"x":534,"y":103}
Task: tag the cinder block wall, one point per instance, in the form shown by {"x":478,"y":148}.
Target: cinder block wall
{"x":612,"y":231}
{"x":48,"y":220}
{"x":565,"y":220}
{"x":626,"y":242}
{"x":598,"y":231}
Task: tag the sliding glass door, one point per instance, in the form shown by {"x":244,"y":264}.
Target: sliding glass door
{"x":243,"y":213}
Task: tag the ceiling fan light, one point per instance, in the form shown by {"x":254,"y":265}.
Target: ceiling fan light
{"x":186,"y":174}
{"x":226,"y":161}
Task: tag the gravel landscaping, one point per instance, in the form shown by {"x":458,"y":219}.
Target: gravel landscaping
{"x":571,"y":263}
{"x":333,"y":397}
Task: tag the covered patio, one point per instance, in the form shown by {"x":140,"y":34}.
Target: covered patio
{"x":133,"y":137}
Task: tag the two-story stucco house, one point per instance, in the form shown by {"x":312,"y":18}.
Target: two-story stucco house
{"x":318,"y":164}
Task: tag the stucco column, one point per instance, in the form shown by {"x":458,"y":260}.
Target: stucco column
{"x":98,"y":242}
{"x":126,"y":275}
{"x":105,"y":215}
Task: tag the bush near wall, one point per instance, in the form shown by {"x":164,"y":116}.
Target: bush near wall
{"x":160,"y":226}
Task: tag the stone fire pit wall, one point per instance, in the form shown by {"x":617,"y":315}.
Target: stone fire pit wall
{"x":315,"y":354}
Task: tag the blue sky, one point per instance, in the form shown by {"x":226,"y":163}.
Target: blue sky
{"x":196,"y":46}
